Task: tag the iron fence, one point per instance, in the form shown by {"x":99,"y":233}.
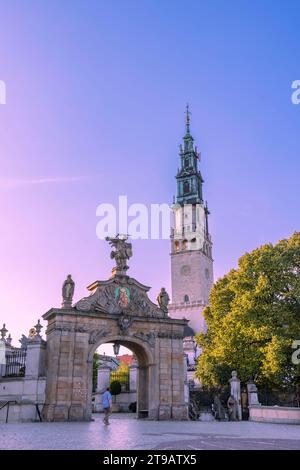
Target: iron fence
{"x":280,"y":397}
{"x":15,"y":363}
{"x":122,"y":377}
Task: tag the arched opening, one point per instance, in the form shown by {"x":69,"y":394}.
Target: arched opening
{"x":137,"y":389}
{"x":184,"y":244}
{"x":186,"y":298}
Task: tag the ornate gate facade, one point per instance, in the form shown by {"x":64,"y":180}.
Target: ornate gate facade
{"x":117,"y":310}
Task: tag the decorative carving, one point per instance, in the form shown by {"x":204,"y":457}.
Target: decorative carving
{"x":38,"y":327}
{"x":23,"y":340}
{"x":122,"y":253}
{"x":3,"y":332}
{"x":117,"y":296}
{"x":185,"y":270}
{"x":124,"y":322}
{"x":148,"y":337}
{"x":95,"y":335}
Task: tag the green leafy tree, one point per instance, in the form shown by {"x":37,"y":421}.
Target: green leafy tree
{"x":115,"y":389}
{"x":253,"y":319}
{"x":96,"y":358}
{"x":123,"y":368}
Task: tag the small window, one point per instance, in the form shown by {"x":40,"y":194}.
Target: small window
{"x":186,"y":187}
{"x":184,"y":244}
{"x":176,"y":246}
{"x":186,"y":298}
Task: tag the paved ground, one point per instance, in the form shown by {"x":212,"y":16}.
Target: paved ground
{"x":125,"y":432}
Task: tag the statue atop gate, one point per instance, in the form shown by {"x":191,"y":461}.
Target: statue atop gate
{"x":121,"y":294}
{"x":122,"y":253}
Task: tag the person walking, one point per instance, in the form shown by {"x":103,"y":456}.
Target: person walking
{"x":106,"y":404}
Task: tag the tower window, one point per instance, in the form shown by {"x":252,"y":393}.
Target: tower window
{"x":176,"y":244}
{"x":184,"y":244}
{"x":186,"y":298}
{"x":186,"y":187}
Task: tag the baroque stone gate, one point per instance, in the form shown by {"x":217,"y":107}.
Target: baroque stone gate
{"x":117,"y":310}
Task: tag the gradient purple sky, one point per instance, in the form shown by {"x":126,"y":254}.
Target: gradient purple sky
{"x":96,"y":93}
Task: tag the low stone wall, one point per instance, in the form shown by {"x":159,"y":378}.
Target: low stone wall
{"x":274,"y":414}
{"x":26,"y":392}
{"x":21,"y":389}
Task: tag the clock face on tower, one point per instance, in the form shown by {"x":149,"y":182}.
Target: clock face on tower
{"x":185,"y":270}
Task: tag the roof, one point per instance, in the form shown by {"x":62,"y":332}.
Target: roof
{"x":126,"y":359}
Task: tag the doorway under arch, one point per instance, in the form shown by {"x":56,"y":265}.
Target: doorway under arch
{"x":144,"y":360}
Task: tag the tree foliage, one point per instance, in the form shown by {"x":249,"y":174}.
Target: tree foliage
{"x":253,"y":319}
{"x":115,"y":387}
{"x":96,"y":359}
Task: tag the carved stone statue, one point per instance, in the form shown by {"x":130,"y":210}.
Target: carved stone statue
{"x":235,"y":391}
{"x":219,"y":410}
{"x":23,"y":340}
{"x":32,"y":333}
{"x":68,"y":291}
{"x":163,"y":300}
{"x":122,"y":253}
{"x":232,"y":409}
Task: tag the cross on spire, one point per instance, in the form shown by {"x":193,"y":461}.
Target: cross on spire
{"x":187,"y":119}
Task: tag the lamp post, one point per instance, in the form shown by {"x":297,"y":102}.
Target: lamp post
{"x":116,"y":348}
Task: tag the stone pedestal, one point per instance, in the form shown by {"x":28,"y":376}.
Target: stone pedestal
{"x":35,"y":358}
{"x":252,"y":394}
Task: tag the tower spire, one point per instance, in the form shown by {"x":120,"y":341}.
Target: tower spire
{"x":187,"y":119}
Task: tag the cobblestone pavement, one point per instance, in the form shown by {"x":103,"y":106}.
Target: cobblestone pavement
{"x":126,"y":432}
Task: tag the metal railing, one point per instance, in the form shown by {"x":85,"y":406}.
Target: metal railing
{"x":7,"y":403}
{"x":122,"y":377}
{"x":15,"y":363}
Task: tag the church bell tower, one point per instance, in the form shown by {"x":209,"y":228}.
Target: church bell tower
{"x":191,"y":245}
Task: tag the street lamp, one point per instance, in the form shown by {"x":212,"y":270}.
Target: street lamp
{"x":116,"y":348}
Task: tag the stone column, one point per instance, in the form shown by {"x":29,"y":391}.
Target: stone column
{"x":252,"y":394}
{"x":35,"y":358}
{"x":143,"y":387}
{"x":103,"y":378}
{"x":186,"y":382}
{"x":133,"y":378}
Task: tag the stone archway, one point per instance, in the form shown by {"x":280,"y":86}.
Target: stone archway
{"x":146,"y":371}
{"x":116,"y":309}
